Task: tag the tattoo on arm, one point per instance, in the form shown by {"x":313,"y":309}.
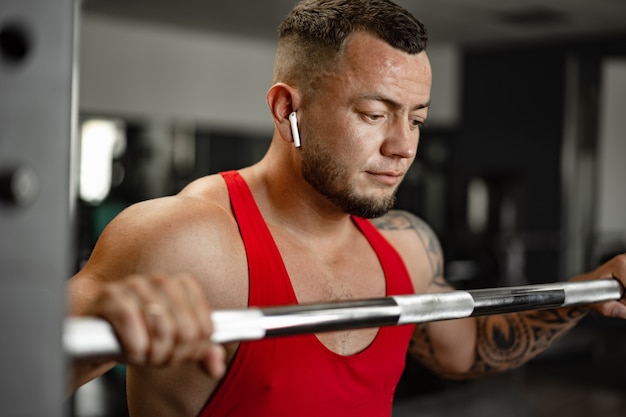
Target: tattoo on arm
{"x":508,"y":341}
{"x":503,"y":342}
{"x":421,"y":347}
{"x":402,"y":220}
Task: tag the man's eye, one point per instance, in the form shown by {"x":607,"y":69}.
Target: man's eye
{"x":417,"y":123}
{"x":373,"y":116}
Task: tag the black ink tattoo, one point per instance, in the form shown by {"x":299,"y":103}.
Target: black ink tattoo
{"x":503,"y":342}
{"x":509,"y":341}
{"x":402,"y":220}
{"x":421,"y":347}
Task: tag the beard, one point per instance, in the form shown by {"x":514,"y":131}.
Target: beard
{"x":330,"y":178}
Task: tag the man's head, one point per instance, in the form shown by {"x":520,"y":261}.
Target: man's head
{"x":314,"y":33}
{"x":357,"y":75}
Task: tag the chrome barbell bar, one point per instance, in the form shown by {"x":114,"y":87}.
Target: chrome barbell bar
{"x":85,"y":337}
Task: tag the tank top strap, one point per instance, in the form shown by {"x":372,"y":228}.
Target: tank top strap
{"x":266,"y":268}
{"x":397,"y":278}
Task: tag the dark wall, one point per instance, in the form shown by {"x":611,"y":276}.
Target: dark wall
{"x":511,"y":137}
{"x":513,"y":108}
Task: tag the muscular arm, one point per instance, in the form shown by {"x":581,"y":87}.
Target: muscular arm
{"x":469,"y":347}
{"x":153,"y":254}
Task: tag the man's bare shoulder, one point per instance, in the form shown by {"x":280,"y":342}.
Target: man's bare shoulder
{"x":193,"y":232}
{"x":201,"y":207}
{"x":398,"y":220}
{"x":400,"y":224}
{"x":418,"y":246}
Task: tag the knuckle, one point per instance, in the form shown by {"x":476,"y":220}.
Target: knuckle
{"x":621,"y":261}
{"x":110,"y":293}
{"x":160,"y":350}
{"x":189,"y":333}
{"x":163,"y":327}
{"x":135,"y":351}
{"x":136,"y":284}
{"x":159,"y":355}
{"x":160,"y":281}
{"x":123,"y":314}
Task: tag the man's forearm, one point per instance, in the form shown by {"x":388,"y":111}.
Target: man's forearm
{"x":502,"y":342}
{"x":508,"y":341}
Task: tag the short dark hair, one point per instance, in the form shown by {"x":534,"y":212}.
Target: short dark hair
{"x":313,"y":35}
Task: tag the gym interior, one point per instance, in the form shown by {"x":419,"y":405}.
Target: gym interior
{"x":520,"y":169}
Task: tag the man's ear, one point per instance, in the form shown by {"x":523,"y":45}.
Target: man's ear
{"x":283,"y":99}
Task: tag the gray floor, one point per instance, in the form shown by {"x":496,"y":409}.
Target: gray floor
{"x":527,"y":396}
{"x":477,"y":399}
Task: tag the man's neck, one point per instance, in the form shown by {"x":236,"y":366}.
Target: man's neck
{"x":287,"y":200}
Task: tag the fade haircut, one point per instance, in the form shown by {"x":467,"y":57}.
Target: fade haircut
{"x":312,"y":36}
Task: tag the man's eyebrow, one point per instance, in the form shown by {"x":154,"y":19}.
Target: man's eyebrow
{"x":422,"y":106}
{"x":390,"y":102}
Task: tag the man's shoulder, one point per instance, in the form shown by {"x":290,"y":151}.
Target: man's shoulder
{"x":204,"y":198}
{"x":193,"y":231}
{"x":401,"y":220}
{"x":210,"y":188}
{"x":201,"y":210}
{"x":406,"y":231}
{"x":417,"y":244}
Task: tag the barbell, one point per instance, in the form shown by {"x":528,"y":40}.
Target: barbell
{"x":85,"y":337}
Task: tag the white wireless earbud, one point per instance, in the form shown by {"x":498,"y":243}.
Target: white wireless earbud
{"x":293,"y":121}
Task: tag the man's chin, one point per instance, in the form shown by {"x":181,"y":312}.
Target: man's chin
{"x":372,"y":209}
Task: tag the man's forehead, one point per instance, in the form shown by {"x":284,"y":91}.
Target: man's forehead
{"x":365,"y":51}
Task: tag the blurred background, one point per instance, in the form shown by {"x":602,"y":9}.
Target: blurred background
{"x":520,"y":169}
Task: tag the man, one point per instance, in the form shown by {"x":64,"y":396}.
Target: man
{"x":355,"y":79}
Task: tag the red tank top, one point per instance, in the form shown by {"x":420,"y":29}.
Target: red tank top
{"x":297,"y":375}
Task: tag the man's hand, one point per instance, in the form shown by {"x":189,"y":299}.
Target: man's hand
{"x":161,"y":320}
{"x":615,"y":268}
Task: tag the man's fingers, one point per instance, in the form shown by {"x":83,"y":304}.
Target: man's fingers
{"x":191,"y":330}
{"x":120,"y":308}
{"x":161,"y":320}
{"x":162,"y":333}
{"x":615,"y":268}
{"x":214,"y":361}
{"x":199,"y":307}
{"x":613,"y":309}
